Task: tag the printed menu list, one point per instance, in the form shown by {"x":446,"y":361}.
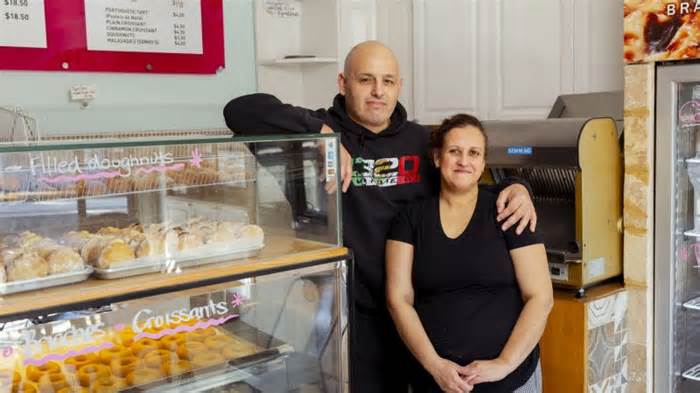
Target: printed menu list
{"x":160,"y":26}
{"x":22,"y":23}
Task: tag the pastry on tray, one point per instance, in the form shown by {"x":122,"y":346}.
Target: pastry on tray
{"x":30,"y":256}
{"x":64,"y":260}
{"x":114,"y":253}
{"x":27,"y":266}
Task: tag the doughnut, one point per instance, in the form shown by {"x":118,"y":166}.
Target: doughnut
{"x":143,"y":376}
{"x":179,"y":367}
{"x":117,"y":351}
{"x":207,"y":359}
{"x":24,"y":388}
{"x":171,"y":342}
{"x":91,"y":372}
{"x":121,"y":367}
{"x":144,"y":345}
{"x":107,"y":385}
{"x":74,"y":389}
{"x":218,"y":342}
{"x":200,"y":334}
{"x":76,"y":362}
{"x":125,"y":338}
{"x":34,"y":373}
{"x":52,"y":382}
{"x":233,"y":352}
{"x":152,"y":330}
{"x":158,"y":358}
{"x":189,"y":349}
{"x":7,"y":375}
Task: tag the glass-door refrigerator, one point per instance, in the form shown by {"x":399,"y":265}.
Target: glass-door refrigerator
{"x":677,"y":230}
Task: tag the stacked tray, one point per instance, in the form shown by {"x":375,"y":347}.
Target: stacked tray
{"x":196,"y":257}
{"x":45,"y":282}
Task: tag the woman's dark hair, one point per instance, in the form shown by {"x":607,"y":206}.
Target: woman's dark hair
{"x":461,"y":120}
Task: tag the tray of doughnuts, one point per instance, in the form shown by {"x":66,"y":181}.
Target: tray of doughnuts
{"x":128,"y":361}
{"x":117,"y":253}
{"x":45,"y":282}
{"x":29,"y":261}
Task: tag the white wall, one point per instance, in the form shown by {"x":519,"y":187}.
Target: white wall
{"x":127,"y":102}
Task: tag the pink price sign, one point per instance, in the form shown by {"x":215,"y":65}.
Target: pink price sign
{"x":144,"y":36}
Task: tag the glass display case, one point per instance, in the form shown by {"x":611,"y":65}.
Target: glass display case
{"x":677,"y":230}
{"x":209,"y":264}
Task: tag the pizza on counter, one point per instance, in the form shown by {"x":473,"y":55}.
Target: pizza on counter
{"x":657,"y":30}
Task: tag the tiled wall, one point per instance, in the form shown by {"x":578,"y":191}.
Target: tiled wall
{"x":608,"y":336}
{"x":638,"y":223}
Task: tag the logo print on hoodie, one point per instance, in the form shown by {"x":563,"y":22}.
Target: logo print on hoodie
{"x":385,"y":172}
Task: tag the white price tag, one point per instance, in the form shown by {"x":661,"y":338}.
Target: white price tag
{"x":22,"y":23}
{"x":157,"y":26}
{"x":83,"y":92}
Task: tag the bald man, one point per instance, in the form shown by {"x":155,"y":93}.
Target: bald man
{"x":384,"y":165}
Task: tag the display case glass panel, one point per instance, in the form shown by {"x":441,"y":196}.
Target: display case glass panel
{"x":114,"y":217}
{"x":277,"y":332}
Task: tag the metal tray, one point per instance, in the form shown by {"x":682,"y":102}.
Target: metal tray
{"x":45,"y":282}
{"x":195,"y":257}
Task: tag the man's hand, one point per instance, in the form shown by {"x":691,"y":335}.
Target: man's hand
{"x":345,"y":167}
{"x":515,"y":204}
{"x":480,"y":371}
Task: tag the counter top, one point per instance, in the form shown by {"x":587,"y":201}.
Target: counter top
{"x":280,"y":253}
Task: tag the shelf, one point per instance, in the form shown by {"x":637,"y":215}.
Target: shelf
{"x":303,"y":60}
{"x":692,"y":304}
{"x":280,"y":253}
{"x":692,"y":373}
{"x":692,"y":233}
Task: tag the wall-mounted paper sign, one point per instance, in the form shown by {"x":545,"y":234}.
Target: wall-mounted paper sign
{"x":22,"y":23}
{"x":154,"y":26}
{"x":282,"y":8}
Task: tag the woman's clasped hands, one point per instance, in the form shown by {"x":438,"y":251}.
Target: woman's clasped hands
{"x":453,"y":378}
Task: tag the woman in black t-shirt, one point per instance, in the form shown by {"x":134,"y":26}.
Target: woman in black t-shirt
{"x":469,"y":300}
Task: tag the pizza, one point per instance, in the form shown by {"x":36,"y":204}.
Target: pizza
{"x":657,"y":30}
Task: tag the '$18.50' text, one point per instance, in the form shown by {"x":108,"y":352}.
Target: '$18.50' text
{"x":16,"y":16}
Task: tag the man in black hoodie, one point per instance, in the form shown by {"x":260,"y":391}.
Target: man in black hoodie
{"x":384,"y":165}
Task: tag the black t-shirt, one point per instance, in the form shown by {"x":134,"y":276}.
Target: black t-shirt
{"x":466,"y":292}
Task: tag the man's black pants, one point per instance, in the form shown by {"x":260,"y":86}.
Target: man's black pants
{"x":379,"y":361}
